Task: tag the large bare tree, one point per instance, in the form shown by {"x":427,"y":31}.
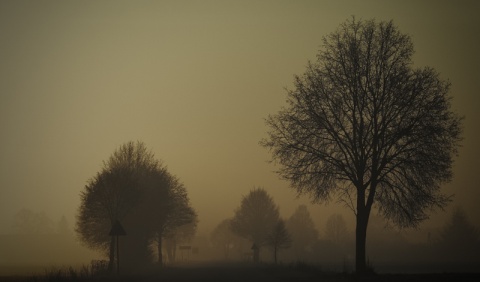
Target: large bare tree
{"x":362,"y":124}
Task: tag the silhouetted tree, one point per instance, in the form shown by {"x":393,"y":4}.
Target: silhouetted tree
{"x":459,"y":239}
{"x":182,"y":226}
{"x":171,"y":209}
{"x":256,"y":217}
{"x":459,"y":230}
{"x":112,"y":194}
{"x":224,"y":238}
{"x":136,"y":190}
{"x":302,"y":230}
{"x":364,"y":125}
{"x":279,"y":238}
{"x":336,"y":229}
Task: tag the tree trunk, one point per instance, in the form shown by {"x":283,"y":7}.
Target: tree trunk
{"x":174,"y":251}
{"x":360,"y":246}
{"x":361,"y":233}
{"x":275,"y":254}
{"x":363,"y":214}
{"x":171,"y":250}
{"x":159,"y":249}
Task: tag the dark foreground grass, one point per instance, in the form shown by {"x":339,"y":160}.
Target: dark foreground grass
{"x":237,"y":272}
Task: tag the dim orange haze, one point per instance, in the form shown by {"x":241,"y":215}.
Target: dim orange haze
{"x":194,"y":81}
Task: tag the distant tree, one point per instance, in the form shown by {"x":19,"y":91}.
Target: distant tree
{"x":180,"y":235}
{"x":459,"y":239}
{"x":256,"y":217}
{"x":279,"y":238}
{"x":28,"y":222}
{"x":112,"y":195}
{"x":363,"y":125}
{"x":181,"y":225}
{"x":135,"y":189}
{"x":336,"y":229}
{"x":166,"y":208}
{"x":146,"y":221}
{"x":62,"y":226}
{"x":175,"y":220}
{"x":302,"y":230}
{"x":459,"y":230}
{"x":223,"y":237}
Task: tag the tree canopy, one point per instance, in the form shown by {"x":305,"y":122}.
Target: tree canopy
{"x":256,"y":217}
{"x":27,"y":221}
{"x":224,"y":239}
{"x":459,"y":239}
{"x":336,"y":228}
{"x":365,"y":126}
{"x":302,"y":230}
{"x":136,"y":190}
{"x":279,"y":238}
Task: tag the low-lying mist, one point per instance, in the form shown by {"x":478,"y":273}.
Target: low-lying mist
{"x":453,"y":248}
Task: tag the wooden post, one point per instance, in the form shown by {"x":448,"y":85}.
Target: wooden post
{"x":118,"y":256}
{"x":117,"y":230}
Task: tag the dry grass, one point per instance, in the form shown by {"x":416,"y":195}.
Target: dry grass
{"x":234,"y":272}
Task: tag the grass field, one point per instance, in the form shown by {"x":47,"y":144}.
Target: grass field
{"x":236,"y":272}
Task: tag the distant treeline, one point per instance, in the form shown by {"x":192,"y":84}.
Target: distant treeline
{"x":453,"y":248}
{"x":42,"y":250}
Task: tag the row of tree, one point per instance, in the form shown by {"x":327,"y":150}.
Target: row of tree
{"x":257,"y":221}
{"x":257,"y":224}
{"x":135,"y":189}
{"x":456,"y":244}
{"x":28,"y":222}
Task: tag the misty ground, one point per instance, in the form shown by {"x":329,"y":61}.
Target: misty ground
{"x":242,"y":272}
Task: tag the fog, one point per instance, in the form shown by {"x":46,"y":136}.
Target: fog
{"x":194,"y":81}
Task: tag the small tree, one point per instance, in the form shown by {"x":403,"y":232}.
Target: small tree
{"x":279,"y":238}
{"x":223,"y":237}
{"x":336,"y":228}
{"x":302,"y":230}
{"x":459,"y":239}
{"x":113,"y":194}
{"x":363,"y":125}
{"x":172,"y":211}
{"x":256,"y":217}
{"x":179,"y":234}
{"x":459,"y":230}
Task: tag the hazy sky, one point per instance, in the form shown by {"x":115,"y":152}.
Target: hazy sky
{"x":194,"y":81}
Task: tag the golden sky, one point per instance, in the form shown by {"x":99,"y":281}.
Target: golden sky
{"x":194,"y":81}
